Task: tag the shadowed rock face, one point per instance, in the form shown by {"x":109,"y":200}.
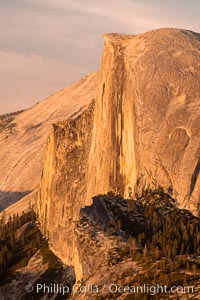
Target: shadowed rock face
{"x":144,"y":133}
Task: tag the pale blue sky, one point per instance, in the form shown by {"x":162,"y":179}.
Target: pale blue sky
{"x":47,"y":44}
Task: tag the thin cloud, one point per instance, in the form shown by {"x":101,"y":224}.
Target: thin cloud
{"x":28,"y":79}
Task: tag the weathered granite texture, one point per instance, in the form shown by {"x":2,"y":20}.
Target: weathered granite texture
{"x":144,"y":133}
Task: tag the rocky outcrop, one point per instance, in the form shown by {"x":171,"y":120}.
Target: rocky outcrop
{"x":143,"y":134}
{"x":116,"y":243}
{"x":63,"y":182}
{"x":23,"y":141}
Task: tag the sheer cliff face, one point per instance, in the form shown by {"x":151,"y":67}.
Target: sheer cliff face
{"x":147,"y":117}
{"x":144,"y":132}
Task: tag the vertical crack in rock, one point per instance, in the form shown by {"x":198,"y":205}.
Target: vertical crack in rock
{"x":195,"y":176}
{"x":116,"y":178}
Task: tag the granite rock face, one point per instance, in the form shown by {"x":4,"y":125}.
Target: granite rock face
{"x":147,"y":117}
{"x":143,"y":133}
{"x":63,"y":183}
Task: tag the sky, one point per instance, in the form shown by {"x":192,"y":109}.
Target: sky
{"x":45,"y":45}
